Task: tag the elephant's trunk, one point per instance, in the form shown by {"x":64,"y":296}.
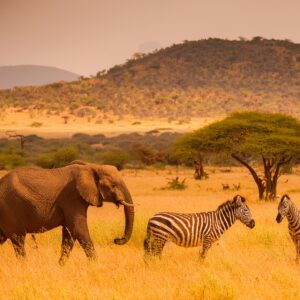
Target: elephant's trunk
{"x":129,"y":218}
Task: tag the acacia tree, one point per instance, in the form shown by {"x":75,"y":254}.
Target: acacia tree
{"x":272,"y":140}
{"x":21,"y":137}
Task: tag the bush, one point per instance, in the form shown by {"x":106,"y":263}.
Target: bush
{"x":45,"y":161}
{"x":60,"y":158}
{"x":36,"y":124}
{"x":116,"y":159}
{"x":11,"y":160}
{"x":64,"y":156}
{"x":175,"y":184}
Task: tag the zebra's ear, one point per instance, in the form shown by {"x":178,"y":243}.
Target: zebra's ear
{"x":239,"y":200}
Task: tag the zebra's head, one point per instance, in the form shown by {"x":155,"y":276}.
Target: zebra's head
{"x":242,"y":211}
{"x":283,"y":207}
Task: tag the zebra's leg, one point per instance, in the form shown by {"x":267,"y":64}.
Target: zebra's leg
{"x":297,"y":244}
{"x":207,"y":242}
{"x":158,"y":246}
{"x":147,"y":248}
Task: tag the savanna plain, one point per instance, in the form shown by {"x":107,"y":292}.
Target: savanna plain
{"x":243,"y":264}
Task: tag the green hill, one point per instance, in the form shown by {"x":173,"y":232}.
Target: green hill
{"x":193,"y":79}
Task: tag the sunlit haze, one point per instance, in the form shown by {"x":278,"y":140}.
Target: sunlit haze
{"x":87,"y":36}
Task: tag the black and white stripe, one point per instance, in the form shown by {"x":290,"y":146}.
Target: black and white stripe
{"x":192,"y":230}
{"x":287,"y":208}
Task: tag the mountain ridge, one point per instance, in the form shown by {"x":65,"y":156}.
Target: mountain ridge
{"x":193,"y":79}
{"x":32,"y":75}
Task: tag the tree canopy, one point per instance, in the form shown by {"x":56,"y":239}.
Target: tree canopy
{"x":273,"y":139}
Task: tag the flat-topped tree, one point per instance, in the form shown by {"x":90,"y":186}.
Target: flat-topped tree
{"x":250,"y":137}
{"x":21,"y":137}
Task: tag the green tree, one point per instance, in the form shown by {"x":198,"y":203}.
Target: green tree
{"x":273,"y":140}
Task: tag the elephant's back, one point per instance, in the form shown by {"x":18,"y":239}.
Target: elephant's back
{"x":35,"y":185}
{"x":28,"y":198}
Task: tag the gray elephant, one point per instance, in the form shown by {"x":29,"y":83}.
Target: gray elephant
{"x":35,"y":200}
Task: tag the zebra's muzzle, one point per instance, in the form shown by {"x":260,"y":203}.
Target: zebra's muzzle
{"x":279,"y":218}
{"x":251,"y":224}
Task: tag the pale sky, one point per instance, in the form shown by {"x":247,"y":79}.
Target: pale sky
{"x":85,"y":36}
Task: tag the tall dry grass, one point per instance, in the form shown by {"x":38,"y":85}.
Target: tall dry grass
{"x":244,"y":264}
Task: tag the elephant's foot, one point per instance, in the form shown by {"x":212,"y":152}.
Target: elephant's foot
{"x":18,"y":244}
{"x":90,"y":253}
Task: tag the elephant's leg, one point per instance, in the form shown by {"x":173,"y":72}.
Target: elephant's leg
{"x":18,"y":244}
{"x":86,"y":243}
{"x":79,"y":230}
{"x":66,"y":245}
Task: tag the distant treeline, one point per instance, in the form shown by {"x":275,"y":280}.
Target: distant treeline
{"x":127,"y":150}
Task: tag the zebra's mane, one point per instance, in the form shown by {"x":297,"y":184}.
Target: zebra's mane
{"x":225,"y":204}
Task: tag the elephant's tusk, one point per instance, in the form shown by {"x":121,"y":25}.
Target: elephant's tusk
{"x":126,"y":204}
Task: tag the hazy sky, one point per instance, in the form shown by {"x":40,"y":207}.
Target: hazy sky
{"x":85,"y":36}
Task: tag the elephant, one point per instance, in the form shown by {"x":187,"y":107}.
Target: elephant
{"x":34,"y":200}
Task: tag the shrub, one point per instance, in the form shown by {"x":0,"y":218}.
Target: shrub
{"x":60,"y":158}
{"x":11,"y":160}
{"x":175,"y":184}
{"x":36,"y":124}
{"x":64,"y":156}
{"x":116,"y":159}
{"x":45,"y":161}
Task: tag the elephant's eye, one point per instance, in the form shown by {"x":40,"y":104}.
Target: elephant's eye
{"x":113,"y":185}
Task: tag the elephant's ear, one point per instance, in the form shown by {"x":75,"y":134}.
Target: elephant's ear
{"x":86,"y":184}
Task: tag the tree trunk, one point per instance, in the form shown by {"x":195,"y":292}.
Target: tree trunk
{"x":268,"y":168}
{"x":274,"y":178}
{"x":199,"y":169}
{"x":267,"y":187}
{"x":259,"y":182}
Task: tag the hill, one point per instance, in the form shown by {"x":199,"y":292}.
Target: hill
{"x":193,"y":79}
{"x":24,"y":75}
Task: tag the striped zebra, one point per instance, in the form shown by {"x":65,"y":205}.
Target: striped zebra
{"x":287,"y":208}
{"x":192,"y":230}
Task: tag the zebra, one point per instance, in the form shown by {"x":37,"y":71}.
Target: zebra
{"x":192,"y":230}
{"x":287,"y":208}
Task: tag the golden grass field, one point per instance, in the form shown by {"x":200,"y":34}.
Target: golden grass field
{"x":52,"y":126}
{"x":244,"y":264}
